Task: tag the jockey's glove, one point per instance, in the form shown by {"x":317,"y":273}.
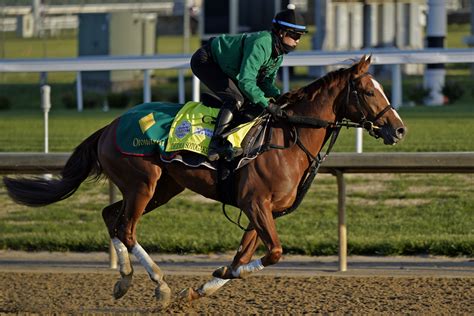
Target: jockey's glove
{"x":275,"y":110}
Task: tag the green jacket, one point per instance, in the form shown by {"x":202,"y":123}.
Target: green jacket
{"x":247,"y":59}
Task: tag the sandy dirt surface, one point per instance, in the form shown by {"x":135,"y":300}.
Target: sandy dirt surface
{"x":82,"y":283}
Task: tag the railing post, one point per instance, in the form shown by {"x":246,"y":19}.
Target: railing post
{"x":396,"y":86}
{"x":341,"y":207}
{"x":196,"y":92}
{"x":46,"y":106}
{"x":80,"y":105}
{"x":181,"y":86}
{"x":112,"y":254}
{"x":359,"y":140}
{"x":146,"y":86}
{"x":286,"y":79}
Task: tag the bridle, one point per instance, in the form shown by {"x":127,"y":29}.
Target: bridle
{"x":365,"y":123}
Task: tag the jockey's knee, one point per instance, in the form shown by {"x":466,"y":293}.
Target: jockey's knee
{"x":233,"y":103}
{"x":275,"y":255}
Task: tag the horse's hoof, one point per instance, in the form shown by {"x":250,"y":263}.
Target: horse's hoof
{"x":122,"y":286}
{"x":223,"y":273}
{"x":189,"y":295}
{"x":163,"y":294}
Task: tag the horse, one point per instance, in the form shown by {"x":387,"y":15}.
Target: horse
{"x":264,"y":187}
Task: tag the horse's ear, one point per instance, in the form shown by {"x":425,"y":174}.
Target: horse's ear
{"x":368,"y":59}
{"x":363,"y":65}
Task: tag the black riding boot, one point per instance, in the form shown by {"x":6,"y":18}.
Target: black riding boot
{"x":217,"y":146}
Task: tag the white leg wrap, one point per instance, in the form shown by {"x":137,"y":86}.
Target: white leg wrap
{"x":122,"y":255}
{"x":246,"y":269}
{"x":212,"y":286}
{"x":145,"y":260}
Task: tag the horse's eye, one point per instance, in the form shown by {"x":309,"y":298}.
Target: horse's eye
{"x":370,"y":93}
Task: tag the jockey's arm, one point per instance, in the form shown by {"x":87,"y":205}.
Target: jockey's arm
{"x":255,"y":53}
{"x":268,"y":85}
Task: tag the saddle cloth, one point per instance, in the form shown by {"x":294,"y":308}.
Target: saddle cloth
{"x":168,"y":128}
{"x":143,"y":130}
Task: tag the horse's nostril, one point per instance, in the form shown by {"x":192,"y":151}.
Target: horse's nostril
{"x":400,"y":132}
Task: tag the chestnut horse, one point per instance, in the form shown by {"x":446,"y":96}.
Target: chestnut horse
{"x":265,"y":186}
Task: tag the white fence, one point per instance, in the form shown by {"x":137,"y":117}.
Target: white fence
{"x":392,"y":57}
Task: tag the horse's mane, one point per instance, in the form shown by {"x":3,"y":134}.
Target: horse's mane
{"x":310,"y":91}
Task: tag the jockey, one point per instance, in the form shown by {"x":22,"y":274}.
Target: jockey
{"x":244,"y":66}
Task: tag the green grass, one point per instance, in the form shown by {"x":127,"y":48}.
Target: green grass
{"x":444,"y":128}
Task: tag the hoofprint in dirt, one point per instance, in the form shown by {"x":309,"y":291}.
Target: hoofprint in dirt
{"x":47,"y":292}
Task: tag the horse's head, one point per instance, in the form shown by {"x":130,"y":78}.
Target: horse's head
{"x":366,"y":103}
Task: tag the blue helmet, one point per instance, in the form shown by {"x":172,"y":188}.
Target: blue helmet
{"x":290,"y":20}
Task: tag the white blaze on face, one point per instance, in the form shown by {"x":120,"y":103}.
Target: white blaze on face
{"x":379,"y":88}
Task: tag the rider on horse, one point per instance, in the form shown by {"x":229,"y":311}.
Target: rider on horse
{"x":244,"y":66}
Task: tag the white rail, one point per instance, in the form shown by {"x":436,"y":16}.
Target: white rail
{"x":393,"y":57}
{"x":309,"y":58}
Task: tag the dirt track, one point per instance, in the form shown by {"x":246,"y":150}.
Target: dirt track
{"x":83,"y":284}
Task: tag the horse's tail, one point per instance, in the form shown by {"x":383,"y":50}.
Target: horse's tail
{"x":39,"y":191}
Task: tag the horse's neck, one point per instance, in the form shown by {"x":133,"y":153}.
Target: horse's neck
{"x":321,"y":104}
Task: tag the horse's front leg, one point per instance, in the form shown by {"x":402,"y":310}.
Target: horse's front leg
{"x":247,"y":247}
{"x":261,"y":218}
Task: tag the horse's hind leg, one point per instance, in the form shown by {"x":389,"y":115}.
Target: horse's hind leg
{"x":160,"y":197}
{"x":110,"y":215}
{"x":137,"y":189}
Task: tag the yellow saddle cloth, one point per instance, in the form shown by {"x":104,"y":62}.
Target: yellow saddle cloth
{"x":193,"y":127}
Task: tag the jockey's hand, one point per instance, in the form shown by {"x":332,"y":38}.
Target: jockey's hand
{"x":275,"y":110}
